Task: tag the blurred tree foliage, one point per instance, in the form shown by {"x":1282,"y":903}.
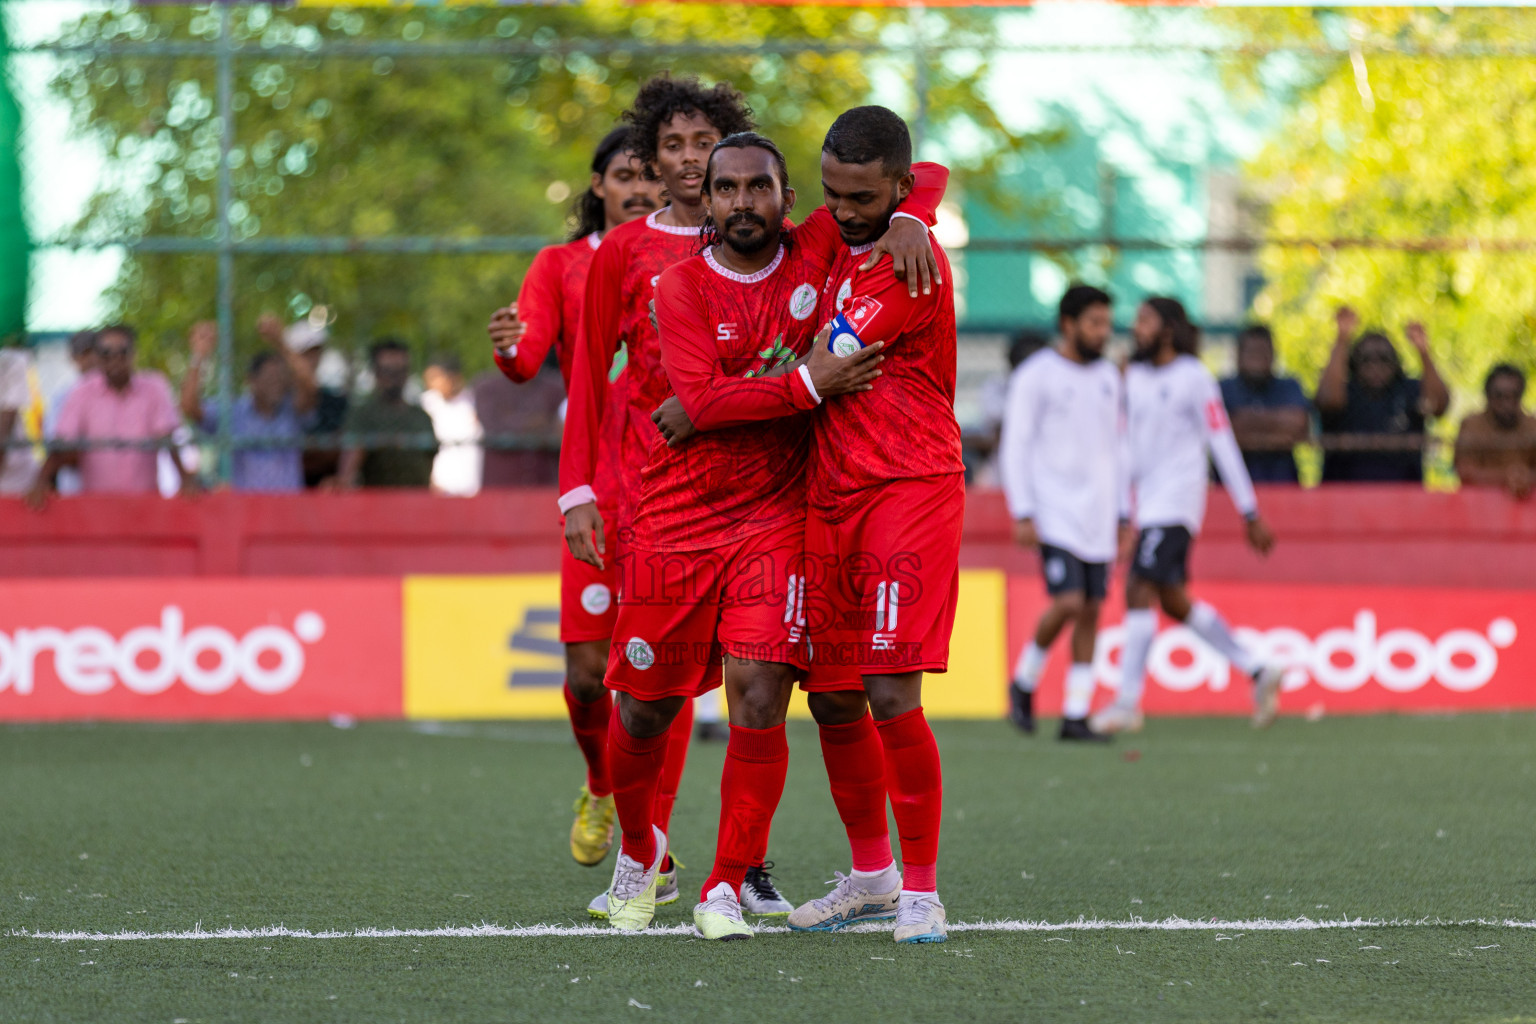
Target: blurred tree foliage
{"x":465,"y":147}
{"x":1400,"y":148}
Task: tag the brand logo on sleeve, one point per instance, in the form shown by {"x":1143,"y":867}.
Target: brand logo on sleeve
{"x":862,"y":313}
{"x":803,"y":302}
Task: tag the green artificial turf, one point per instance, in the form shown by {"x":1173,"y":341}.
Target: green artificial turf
{"x":165,"y":828}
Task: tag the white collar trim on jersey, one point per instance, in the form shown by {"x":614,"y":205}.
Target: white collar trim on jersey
{"x":731,"y":275}
{"x":670,"y":229}
{"x":595,"y":239}
{"x":860,"y":250}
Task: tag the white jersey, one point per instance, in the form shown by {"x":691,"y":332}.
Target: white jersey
{"x":1063,"y":452}
{"x":1176,"y":418}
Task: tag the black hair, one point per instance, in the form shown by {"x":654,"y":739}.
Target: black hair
{"x":1025,"y":344}
{"x":446,"y":361}
{"x":1503,"y":370}
{"x":82,"y":342}
{"x":588,"y":210}
{"x":260,"y":360}
{"x":1370,"y":337}
{"x":866,"y":134}
{"x":664,"y":97}
{"x":1078,"y":298}
{"x":121,"y":329}
{"x":709,"y":234}
{"x":387,"y":344}
{"x":1256,"y":332}
{"x":1186,"y":336}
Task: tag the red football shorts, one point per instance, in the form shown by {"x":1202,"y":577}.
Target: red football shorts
{"x":588,"y":598}
{"x":883,"y":583}
{"x":681,"y":611}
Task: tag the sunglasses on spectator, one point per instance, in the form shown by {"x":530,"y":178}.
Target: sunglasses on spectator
{"x":1376,"y":357}
{"x":112,"y":352}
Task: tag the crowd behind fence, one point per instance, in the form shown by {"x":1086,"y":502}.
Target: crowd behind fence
{"x":111,"y":427}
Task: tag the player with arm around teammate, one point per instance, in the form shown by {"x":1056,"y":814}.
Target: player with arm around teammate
{"x":546,"y":315}
{"x":717,"y":546}
{"x":1177,"y":420}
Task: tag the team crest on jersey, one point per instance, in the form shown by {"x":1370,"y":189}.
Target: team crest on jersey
{"x":639,"y":653}
{"x":803,"y":302}
{"x":596,"y":598}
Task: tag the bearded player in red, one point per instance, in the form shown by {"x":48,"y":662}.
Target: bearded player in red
{"x":718,"y":533}
{"x":674,"y":123}
{"x":545,"y":317}
{"x":882,"y":545}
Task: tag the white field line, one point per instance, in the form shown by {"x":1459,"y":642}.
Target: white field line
{"x":484,"y":931}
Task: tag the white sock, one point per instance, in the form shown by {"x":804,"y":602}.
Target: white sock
{"x":706,"y":706}
{"x":884,"y":880}
{"x":1140,"y":627}
{"x":1079,"y":691}
{"x":1212,"y":628}
{"x":1026,"y":674}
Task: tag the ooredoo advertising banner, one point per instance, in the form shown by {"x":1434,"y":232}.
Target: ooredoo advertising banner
{"x":199,"y":649}
{"x":1345,"y":649}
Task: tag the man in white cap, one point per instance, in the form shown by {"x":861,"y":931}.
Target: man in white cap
{"x":307,"y":338}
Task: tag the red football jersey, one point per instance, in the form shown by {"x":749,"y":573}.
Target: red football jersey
{"x":617,"y":310}
{"x":905,"y":427}
{"x":744,"y":472}
{"x":549,"y":304}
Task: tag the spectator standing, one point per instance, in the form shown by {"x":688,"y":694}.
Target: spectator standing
{"x":396,"y":456}
{"x":1374,"y":411}
{"x":278,"y":401}
{"x":1497,"y":447}
{"x":460,"y":460}
{"x":117,"y":403}
{"x":82,"y":353}
{"x":1270,"y":415}
{"x":307,"y":339}
{"x":18,"y":463}
{"x":529,"y":412}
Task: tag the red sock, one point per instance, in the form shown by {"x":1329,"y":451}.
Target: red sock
{"x":590,"y":724}
{"x":677,"y":756}
{"x":916,"y":784}
{"x":636,"y":766}
{"x":856,"y":770}
{"x":756,"y":761}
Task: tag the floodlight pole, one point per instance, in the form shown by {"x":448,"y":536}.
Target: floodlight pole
{"x":225,"y":73}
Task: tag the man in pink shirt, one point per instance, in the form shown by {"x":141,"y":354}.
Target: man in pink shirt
{"x":114,"y":403}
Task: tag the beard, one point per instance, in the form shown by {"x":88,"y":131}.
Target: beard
{"x":751,"y":244}
{"x":863,"y":232}
{"x":1086,"y":354}
{"x":1143,"y":353}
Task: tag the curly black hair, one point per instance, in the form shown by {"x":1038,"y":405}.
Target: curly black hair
{"x":664,"y":97}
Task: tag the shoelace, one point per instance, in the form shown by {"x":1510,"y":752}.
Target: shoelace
{"x":724,"y":904}
{"x":844,"y":888}
{"x":628,"y":878}
{"x":915,"y":907}
{"x":761,"y":882}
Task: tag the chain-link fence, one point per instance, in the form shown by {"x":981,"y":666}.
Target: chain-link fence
{"x":223,"y":198}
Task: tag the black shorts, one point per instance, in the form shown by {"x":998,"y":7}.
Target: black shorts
{"x":1065,"y":573}
{"x":1162,"y":555}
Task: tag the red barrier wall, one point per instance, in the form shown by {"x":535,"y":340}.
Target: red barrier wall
{"x":1382,"y":535}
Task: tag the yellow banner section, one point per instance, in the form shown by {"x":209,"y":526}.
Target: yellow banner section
{"x":488,"y":647}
